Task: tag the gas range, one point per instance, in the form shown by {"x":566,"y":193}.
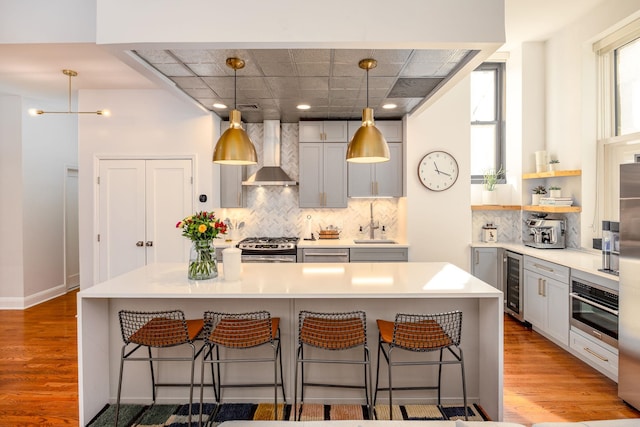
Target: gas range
{"x":268,"y":249}
{"x":266,"y":244}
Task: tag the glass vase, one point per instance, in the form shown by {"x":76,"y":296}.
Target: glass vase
{"x":202,"y":260}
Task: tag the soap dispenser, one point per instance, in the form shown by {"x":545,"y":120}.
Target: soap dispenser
{"x":383,"y":232}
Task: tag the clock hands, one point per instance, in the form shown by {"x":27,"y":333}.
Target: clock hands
{"x":439,"y":171}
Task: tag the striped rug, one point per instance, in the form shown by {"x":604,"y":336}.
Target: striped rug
{"x":177,"y":415}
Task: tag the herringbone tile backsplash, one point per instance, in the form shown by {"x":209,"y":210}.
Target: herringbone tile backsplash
{"x":274,"y":211}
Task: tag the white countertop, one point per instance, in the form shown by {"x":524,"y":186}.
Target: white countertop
{"x":348,"y":243}
{"x":300,"y":280}
{"x":588,"y":261}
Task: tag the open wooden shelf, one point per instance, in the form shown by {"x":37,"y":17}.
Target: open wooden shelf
{"x":496,"y":207}
{"x":552,"y":209}
{"x":552,"y":174}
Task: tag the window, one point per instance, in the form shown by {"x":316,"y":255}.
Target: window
{"x":618,"y":141}
{"x":487,"y":120}
{"x":627,"y":83}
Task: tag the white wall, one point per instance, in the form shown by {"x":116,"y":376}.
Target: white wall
{"x":34,"y":154}
{"x":49,"y":145}
{"x":143,"y":124}
{"x":11,"y":259}
{"x":571,"y":104}
{"x":439,"y":223}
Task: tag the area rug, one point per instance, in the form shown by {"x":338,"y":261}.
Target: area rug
{"x":177,"y":415}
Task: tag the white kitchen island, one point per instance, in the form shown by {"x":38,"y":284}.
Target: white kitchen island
{"x":380,"y":289}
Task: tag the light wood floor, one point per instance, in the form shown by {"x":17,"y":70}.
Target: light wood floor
{"x":38,"y":373}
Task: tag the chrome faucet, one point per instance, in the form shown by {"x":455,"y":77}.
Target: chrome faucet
{"x":372,"y":225}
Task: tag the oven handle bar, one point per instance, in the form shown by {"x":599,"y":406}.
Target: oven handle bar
{"x":595,"y":304}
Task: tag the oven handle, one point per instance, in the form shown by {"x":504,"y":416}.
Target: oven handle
{"x":595,"y":304}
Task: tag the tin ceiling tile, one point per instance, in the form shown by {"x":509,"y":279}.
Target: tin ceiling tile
{"x":319,"y":77}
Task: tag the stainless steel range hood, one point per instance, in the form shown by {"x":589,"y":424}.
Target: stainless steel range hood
{"x":270,"y":173}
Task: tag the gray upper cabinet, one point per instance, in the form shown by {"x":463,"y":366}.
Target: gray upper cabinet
{"x":323,"y":175}
{"x":231,"y":189}
{"x":379,"y":179}
{"x":390,"y":129}
{"x":323,"y":131}
{"x":231,"y":176}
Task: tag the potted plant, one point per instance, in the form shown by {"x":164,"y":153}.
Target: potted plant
{"x":555,"y":192}
{"x":489,"y":181}
{"x":553,"y":164}
{"x":538,"y":192}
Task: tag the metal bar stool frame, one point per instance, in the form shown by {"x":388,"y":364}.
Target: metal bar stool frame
{"x":332,"y":332}
{"x":421,"y":333}
{"x":241,"y":331}
{"x":157,"y":329}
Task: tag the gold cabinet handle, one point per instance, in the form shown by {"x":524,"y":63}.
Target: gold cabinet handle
{"x":593,"y":353}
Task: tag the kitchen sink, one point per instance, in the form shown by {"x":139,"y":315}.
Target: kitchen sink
{"x":369,"y":241}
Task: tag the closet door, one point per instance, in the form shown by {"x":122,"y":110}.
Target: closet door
{"x":140,"y":201}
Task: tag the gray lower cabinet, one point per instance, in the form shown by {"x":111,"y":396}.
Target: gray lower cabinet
{"x":546,"y":298}
{"x":323,"y":255}
{"x":323,"y":175}
{"x":379,"y":254}
{"x":486,"y":265}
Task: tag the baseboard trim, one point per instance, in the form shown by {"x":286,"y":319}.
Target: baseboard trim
{"x":19,"y":303}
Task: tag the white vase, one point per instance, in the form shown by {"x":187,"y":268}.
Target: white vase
{"x":555,"y":193}
{"x":535,"y":199}
{"x":489,"y":197}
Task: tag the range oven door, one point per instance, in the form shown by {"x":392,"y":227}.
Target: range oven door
{"x":594,"y":310}
{"x":268,"y":258}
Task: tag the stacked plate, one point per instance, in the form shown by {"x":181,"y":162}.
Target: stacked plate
{"x":556,"y":201}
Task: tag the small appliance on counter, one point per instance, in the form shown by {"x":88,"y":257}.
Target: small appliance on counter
{"x":489,"y":233}
{"x":610,"y":247}
{"x":546,"y":233}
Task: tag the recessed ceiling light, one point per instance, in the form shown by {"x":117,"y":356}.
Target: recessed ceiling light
{"x":303,"y":107}
{"x":389,"y":106}
{"x":219,"y":105}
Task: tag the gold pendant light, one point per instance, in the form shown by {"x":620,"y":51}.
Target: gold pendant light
{"x":368,"y":145}
{"x":70,"y":74}
{"x":234,"y":146}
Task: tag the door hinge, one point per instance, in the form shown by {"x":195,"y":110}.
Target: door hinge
{"x":98,"y":180}
{"x":98,"y":237}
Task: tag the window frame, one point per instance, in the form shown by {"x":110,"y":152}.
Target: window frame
{"x":499,"y":122}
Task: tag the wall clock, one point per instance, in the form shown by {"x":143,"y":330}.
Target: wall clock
{"x":438,"y":171}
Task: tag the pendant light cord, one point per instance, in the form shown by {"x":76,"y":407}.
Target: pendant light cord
{"x":235,"y":88}
{"x":367,"y":88}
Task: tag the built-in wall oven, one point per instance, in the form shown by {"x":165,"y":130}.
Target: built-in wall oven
{"x":268,"y":249}
{"x":513,"y":284}
{"x":594,"y":310}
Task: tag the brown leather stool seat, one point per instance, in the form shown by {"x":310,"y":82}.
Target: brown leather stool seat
{"x":241,"y":331}
{"x":332,"y":332}
{"x":157,"y":329}
{"x":420,"y":333}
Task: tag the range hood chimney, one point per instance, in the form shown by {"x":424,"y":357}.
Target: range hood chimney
{"x":270,"y":173}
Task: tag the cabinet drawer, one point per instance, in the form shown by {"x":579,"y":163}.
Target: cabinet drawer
{"x":597,"y":356}
{"x":325,"y":255}
{"x":546,"y":268}
{"x":379,"y":254}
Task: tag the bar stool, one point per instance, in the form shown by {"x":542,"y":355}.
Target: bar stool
{"x":421,"y":333}
{"x":157,"y":329}
{"x":241,"y":331}
{"x":332,"y":332}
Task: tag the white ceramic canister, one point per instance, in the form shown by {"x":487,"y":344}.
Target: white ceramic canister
{"x":231,"y":260}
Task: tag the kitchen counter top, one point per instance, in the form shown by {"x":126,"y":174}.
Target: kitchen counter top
{"x":284,"y":289}
{"x":584,"y":260}
{"x":298,"y":280}
{"x":347,"y":243}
